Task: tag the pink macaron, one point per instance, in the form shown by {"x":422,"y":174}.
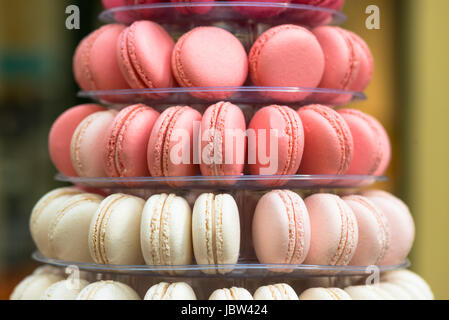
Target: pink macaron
{"x":88,"y":144}
{"x":144,"y":54}
{"x":255,"y":11}
{"x":171,"y":145}
{"x":95,"y":62}
{"x":198,"y":9}
{"x":372,"y":147}
{"x":402,"y":227}
{"x":334,"y":231}
{"x":275,"y":141}
{"x":348,"y":60}
{"x":127,"y":142}
{"x":129,"y":16}
{"x":328,"y":146}
{"x":223,"y":140}
{"x":374,"y":232}
{"x":210,"y":57}
{"x":61,"y":133}
{"x":287,"y":56}
{"x":281,"y":228}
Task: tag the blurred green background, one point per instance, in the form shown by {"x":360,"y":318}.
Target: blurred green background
{"x":407,"y":95}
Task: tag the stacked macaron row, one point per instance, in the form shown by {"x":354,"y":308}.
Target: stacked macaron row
{"x":395,"y":285}
{"x":145,"y":56}
{"x":70,"y":225}
{"x":374,"y":228}
{"x":90,"y":141}
{"x":308,"y":17}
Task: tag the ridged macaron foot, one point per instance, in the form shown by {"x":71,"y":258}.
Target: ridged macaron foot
{"x":144,"y":52}
{"x":69,"y":229}
{"x":223,"y":140}
{"x":261,"y":12}
{"x":210,"y":57}
{"x":32,"y":287}
{"x":43,"y":213}
{"x":61,"y":134}
{"x":174,"y":291}
{"x":216,"y":231}
{"x":233,"y":293}
{"x":286,"y":56}
{"x":281,"y":228}
{"x":275,"y":141}
{"x":108,"y":290}
{"x":279,"y":291}
{"x":400,"y":220}
{"x":334,"y":231}
{"x":171,"y":144}
{"x":372,"y":147}
{"x":95,"y":61}
{"x":114,"y":234}
{"x":374,"y":230}
{"x":370,"y":292}
{"x":328,"y":143}
{"x":127,"y":142}
{"x":166,"y":231}
{"x":324,"y":294}
{"x":89,"y":142}
{"x":65,"y":290}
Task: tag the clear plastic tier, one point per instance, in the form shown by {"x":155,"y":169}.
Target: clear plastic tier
{"x":244,"y":269}
{"x":244,"y":182}
{"x":251,"y":96}
{"x":190,"y":14}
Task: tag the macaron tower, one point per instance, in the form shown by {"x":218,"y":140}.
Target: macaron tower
{"x":228,"y":161}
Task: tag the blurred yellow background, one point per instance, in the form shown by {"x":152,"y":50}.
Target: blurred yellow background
{"x":406,"y":95}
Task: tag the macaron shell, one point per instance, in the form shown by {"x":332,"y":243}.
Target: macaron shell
{"x":127,"y":142}
{"x":402,"y":226}
{"x":275,"y":292}
{"x":231,"y":294}
{"x":172,"y":140}
{"x":368,"y":293}
{"x":166,"y":231}
{"x":175,"y":291}
{"x":395,"y":290}
{"x":281,"y":228}
{"x":287,"y":56}
{"x":328,"y":143}
{"x":372,"y":148}
{"x":210,"y":57}
{"x":61,"y":134}
{"x":108,"y":290}
{"x":69,"y":230}
{"x":374,"y":232}
{"x":366,"y":61}
{"x":334,"y":230}
{"x":64,"y":290}
{"x":220,"y":122}
{"x":324,"y":294}
{"x":32,"y":287}
{"x":276,"y":125}
{"x":43,"y":213}
{"x":114,"y":235}
{"x":411,"y":277}
{"x":89,"y":140}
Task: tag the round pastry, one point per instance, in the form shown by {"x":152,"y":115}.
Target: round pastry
{"x":280,"y":291}
{"x":324,"y":294}
{"x":108,"y":290}
{"x":231,"y":294}
{"x":174,"y":291}
{"x":64,"y":290}
{"x":32,"y":287}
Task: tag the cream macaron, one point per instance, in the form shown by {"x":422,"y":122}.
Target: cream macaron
{"x":174,"y":291}
{"x":231,"y":294}
{"x":216,"y":231}
{"x":324,"y":294}
{"x":108,"y":290}
{"x":43,"y":213}
{"x":369,"y":292}
{"x":166,"y":231}
{"x":33,"y":287}
{"x":279,"y":291}
{"x":69,"y":229}
{"x":114,"y":235}
{"x":64,"y":290}
{"x":416,"y":286}
{"x":395,"y":290}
